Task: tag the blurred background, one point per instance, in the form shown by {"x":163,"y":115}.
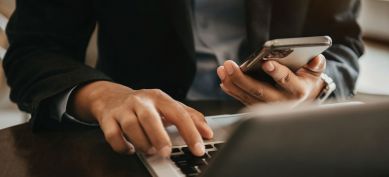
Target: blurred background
{"x":373,"y":83}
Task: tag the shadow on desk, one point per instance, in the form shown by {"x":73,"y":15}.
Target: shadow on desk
{"x":77,"y":152}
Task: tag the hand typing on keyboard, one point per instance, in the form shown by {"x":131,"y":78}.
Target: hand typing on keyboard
{"x":135,"y":119}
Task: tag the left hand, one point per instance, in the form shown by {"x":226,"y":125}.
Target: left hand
{"x":303,"y":85}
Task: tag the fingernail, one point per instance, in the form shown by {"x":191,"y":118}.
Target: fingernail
{"x":165,"y":151}
{"x":199,"y":149}
{"x":268,"y":66}
{"x":210,"y":132}
{"x":315,"y":63}
{"x":229,"y":68}
{"x":152,"y":151}
{"x":320,"y":63}
{"x":221,"y":73}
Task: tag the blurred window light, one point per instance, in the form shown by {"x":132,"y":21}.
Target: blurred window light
{"x":374,"y":19}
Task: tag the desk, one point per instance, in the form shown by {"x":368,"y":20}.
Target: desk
{"x":75,"y":151}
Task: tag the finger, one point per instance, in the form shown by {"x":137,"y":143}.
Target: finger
{"x":113,"y":135}
{"x":315,"y":67}
{"x":176,"y":114}
{"x":239,"y":94}
{"x":200,"y":122}
{"x":283,"y":76}
{"x":134,"y":132}
{"x":221,"y":73}
{"x":255,"y":88}
{"x":232,"y":94}
{"x":151,"y":123}
{"x":165,"y":122}
{"x":232,"y":90}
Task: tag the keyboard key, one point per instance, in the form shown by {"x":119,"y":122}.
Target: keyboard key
{"x":219,"y":145}
{"x":189,"y":170}
{"x":202,"y":167}
{"x":189,"y":153}
{"x":183,"y":164}
{"x":175,"y":150}
{"x":179,"y":158}
{"x":197,"y":162}
{"x":208,"y":146}
{"x":212,"y":153}
{"x":206,"y":156}
{"x":186,"y":150}
{"x":190,"y":164}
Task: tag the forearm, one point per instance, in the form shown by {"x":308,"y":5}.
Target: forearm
{"x":338,"y":20}
{"x":343,"y":67}
{"x":33,"y":88}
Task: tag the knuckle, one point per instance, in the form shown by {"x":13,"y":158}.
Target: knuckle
{"x":185,"y":115}
{"x":111,"y":135}
{"x":244,"y":96}
{"x":199,"y":114}
{"x":257,"y":92}
{"x":180,"y":120}
{"x":129,"y":123}
{"x":156,"y":92}
{"x":285,"y":79}
{"x":195,"y":112}
{"x":135,"y":99}
{"x":235,"y":78}
{"x":137,"y":93}
{"x":145,"y":115}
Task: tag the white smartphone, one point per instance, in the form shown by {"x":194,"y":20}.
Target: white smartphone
{"x":291,"y":52}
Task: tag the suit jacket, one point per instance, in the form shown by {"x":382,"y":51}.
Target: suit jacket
{"x":149,"y":44}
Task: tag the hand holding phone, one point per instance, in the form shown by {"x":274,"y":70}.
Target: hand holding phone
{"x":279,"y":61}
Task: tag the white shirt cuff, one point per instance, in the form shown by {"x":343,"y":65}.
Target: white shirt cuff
{"x":61,"y":103}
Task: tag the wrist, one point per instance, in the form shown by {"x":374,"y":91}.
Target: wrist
{"x":81,"y":98}
{"x":86,"y":101}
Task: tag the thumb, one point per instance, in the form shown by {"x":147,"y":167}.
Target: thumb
{"x":316,"y":66}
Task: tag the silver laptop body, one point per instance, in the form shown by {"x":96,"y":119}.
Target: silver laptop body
{"x":348,"y":140}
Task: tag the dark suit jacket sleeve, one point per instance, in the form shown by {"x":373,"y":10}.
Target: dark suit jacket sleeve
{"x":48,"y":39}
{"x":339,"y":20}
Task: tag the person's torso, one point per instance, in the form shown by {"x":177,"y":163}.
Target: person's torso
{"x":150,"y":43}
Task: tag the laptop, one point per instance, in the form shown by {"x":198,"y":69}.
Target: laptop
{"x":345,"y":140}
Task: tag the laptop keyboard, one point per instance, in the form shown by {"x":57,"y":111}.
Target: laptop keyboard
{"x":191,"y":165}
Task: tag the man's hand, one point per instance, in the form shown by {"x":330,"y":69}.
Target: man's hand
{"x":305,"y":84}
{"x":136,"y":118}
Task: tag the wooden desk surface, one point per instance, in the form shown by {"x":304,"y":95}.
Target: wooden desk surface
{"x":75,"y":151}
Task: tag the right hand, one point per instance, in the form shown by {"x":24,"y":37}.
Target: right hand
{"x":135,"y":118}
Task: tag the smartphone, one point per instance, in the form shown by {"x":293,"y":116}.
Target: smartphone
{"x":291,"y":52}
